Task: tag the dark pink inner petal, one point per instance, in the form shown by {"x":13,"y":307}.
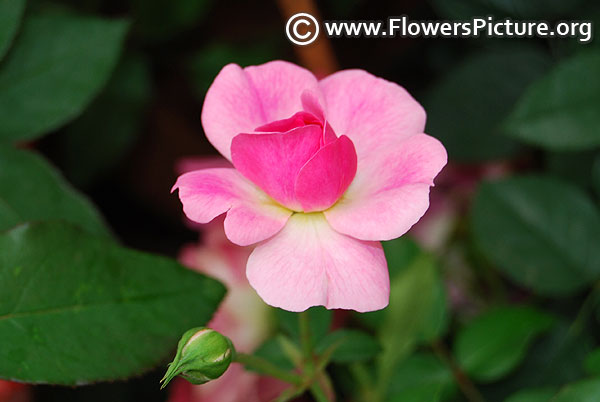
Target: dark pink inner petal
{"x":281,"y":126}
{"x":328,"y":135}
{"x":327,"y":175}
{"x":272,"y":161}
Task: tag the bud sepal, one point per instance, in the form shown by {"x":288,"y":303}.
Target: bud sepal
{"x":202,"y":355}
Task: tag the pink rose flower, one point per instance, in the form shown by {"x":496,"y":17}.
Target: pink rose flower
{"x":322,"y":171}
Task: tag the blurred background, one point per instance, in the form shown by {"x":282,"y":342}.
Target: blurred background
{"x":482,"y":97}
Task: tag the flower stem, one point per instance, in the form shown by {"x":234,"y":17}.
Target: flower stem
{"x":265,"y":367}
{"x":290,"y":393}
{"x":310,"y":372}
{"x":317,"y":392}
{"x":471,"y":393}
{"x":363,"y":379}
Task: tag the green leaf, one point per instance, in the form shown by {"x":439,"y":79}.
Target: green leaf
{"x":418,"y":394}
{"x":436,"y":324}
{"x":494,"y":343}
{"x":11,"y":12}
{"x":353,"y":346}
{"x":560,"y":111}
{"x":465,"y":110}
{"x":541,"y":232}
{"x":75,"y":308}
{"x":56,"y":66}
{"x":555,"y":359}
{"x":8,"y":216}
{"x":272,"y":350}
{"x":543,"y":394}
{"x":400,"y":254}
{"x":430,"y":319}
{"x":319,"y":319}
{"x":31,"y":190}
{"x":592,"y":362}
{"x":101,"y":137}
{"x":421,"y":377}
{"x":412,"y":296}
{"x":581,"y":391}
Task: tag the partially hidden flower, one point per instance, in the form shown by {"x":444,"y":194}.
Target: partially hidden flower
{"x":322,"y":171}
{"x":242,"y":316}
{"x":450,"y":203}
{"x":14,"y":392}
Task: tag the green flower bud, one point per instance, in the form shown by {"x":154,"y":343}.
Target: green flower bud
{"x":202,"y":355}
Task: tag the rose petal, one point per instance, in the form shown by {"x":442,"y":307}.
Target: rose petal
{"x":251,"y":215}
{"x":325,"y":177}
{"x":391,"y":194}
{"x":239,"y":100}
{"x":189,"y":164}
{"x":279,"y":86}
{"x":310,"y":103}
{"x":281,"y":126}
{"x":309,"y":264}
{"x":272,"y":161}
{"x":235,"y":385}
{"x":370,"y":110}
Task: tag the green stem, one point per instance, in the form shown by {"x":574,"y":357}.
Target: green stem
{"x":317,"y":392}
{"x":586,"y":309}
{"x":469,"y":390}
{"x":262,"y":366}
{"x":364,"y":380}
{"x":309,"y":372}
{"x":290,"y":394}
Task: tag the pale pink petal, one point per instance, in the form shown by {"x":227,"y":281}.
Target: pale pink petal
{"x":326,"y":175}
{"x":272,"y":161}
{"x":391,"y":194}
{"x":231,"y":106}
{"x":309,"y":264}
{"x":310,"y":103}
{"x":249,"y":222}
{"x":239,"y":100}
{"x":370,"y":110}
{"x":279,"y":86}
{"x":208,"y":193}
